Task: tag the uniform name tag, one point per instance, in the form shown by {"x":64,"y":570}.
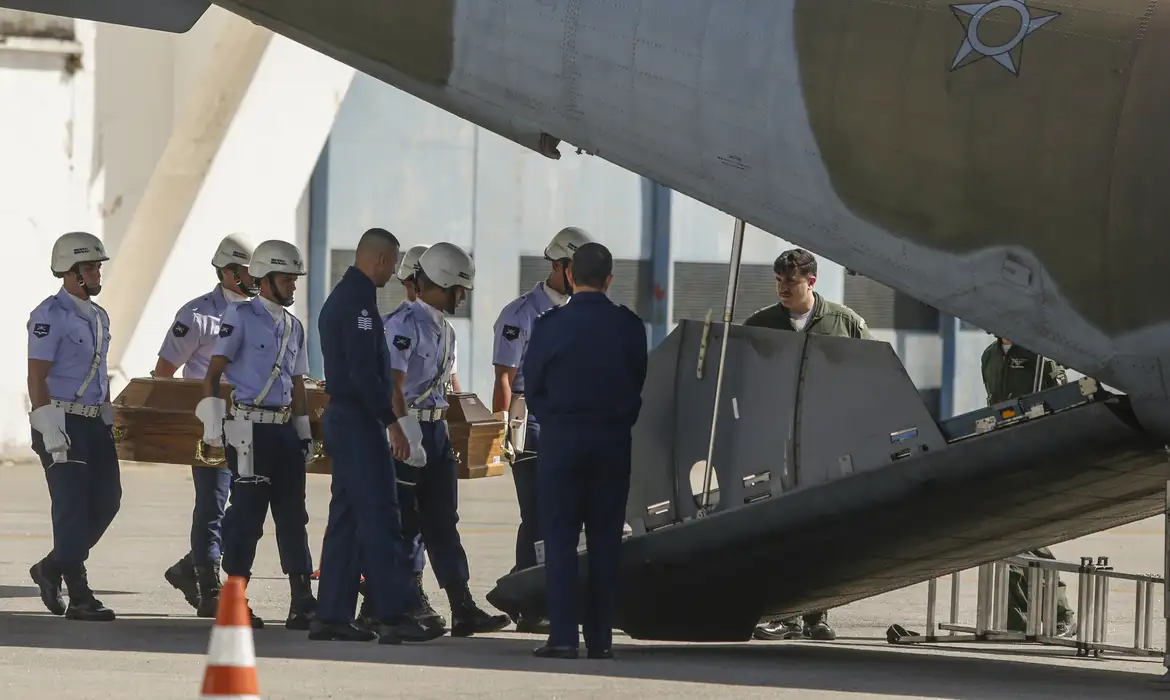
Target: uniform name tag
{"x":401,"y":342}
{"x":1017,"y":363}
{"x":511,"y":332}
{"x":40,"y":330}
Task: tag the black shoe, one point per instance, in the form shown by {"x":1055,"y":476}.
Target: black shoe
{"x":547,"y":652}
{"x":426,"y":614}
{"x":467,"y":618}
{"x":82,"y":603}
{"x":530,"y":624}
{"x":303,"y":606}
{"x":779,"y":629}
{"x":257,"y":621}
{"x":48,"y":578}
{"x":320,"y":631}
{"x":209,"y":586}
{"x":182,"y":576}
{"x":820,"y":632}
{"x":407,"y":629}
{"x":600,"y":654}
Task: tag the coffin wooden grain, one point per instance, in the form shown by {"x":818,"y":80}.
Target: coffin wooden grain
{"x":155,"y":421}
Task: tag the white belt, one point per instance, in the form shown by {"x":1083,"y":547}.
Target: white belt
{"x":427,"y":415}
{"x":78,"y":409}
{"x":260,"y":415}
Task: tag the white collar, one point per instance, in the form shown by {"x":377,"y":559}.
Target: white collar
{"x":274,"y":309}
{"x":435,"y":314}
{"x":85,"y":306}
{"x":554,"y":296}
{"x":232,"y":296}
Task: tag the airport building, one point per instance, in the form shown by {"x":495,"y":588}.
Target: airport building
{"x":162,"y":144}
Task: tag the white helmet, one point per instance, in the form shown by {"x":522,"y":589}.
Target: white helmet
{"x":232,"y":249}
{"x":276,"y":256}
{"x":448,"y":266}
{"x":406,"y":267}
{"x":76,"y":247}
{"x":565,"y":243}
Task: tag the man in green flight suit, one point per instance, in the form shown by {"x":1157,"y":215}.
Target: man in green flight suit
{"x":803,"y":310}
{"x":1009,"y":372}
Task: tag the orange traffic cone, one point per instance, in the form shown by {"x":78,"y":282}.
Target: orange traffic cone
{"x":231,"y":656}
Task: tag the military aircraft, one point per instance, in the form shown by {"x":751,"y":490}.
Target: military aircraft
{"x":1003,"y":161}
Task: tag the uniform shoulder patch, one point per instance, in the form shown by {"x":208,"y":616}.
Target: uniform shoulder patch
{"x":510,"y":332}
{"x":225,"y":330}
{"x":180,"y":330}
{"x":401,"y":342}
{"x":40,"y":330}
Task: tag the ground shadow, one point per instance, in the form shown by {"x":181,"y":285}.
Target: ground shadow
{"x":34,"y":592}
{"x":789,"y":665}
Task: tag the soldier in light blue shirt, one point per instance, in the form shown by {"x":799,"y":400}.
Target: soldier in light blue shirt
{"x":72,"y":423}
{"x":511,"y":332}
{"x":422,"y":355}
{"x":188,"y":344}
{"x":265,"y":431}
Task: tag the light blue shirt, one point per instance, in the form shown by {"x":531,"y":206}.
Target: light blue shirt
{"x":415,"y":338}
{"x":513,"y":328}
{"x":192,"y":336}
{"x":250,"y":339}
{"x":60,"y":332}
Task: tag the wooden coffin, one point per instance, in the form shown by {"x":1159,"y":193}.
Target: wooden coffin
{"x":155,"y":421}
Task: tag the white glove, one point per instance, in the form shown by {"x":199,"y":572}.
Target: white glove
{"x":413,"y":432}
{"x":305,"y":433}
{"x":211,"y":411}
{"x":49,"y":421}
{"x":108,"y":414}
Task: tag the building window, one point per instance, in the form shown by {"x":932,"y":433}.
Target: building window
{"x":699,"y":286}
{"x":887,"y":309}
{"x":390,"y":296}
{"x":631,"y":285}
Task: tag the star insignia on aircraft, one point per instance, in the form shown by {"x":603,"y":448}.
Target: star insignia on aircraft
{"x":1025,"y":18}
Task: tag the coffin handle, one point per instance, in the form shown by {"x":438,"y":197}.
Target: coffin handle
{"x":318,"y":451}
{"x":119,"y":433}
{"x":200,"y":449}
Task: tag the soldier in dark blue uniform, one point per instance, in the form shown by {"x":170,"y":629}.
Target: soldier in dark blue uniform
{"x":584,"y":370}
{"x":364,"y":532}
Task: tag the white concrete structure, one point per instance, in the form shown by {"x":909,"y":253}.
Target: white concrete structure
{"x":160,"y":144}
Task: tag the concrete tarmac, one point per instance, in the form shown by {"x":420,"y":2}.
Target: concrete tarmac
{"x":156,"y":647}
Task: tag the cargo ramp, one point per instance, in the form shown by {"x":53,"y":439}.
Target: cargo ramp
{"x":834,"y":482}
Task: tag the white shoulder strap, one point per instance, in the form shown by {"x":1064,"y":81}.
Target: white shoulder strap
{"x":447,"y":330}
{"x":288,"y":324}
{"x":98,"y":336}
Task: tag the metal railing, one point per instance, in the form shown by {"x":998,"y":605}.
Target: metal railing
{"x":1091,"y":634}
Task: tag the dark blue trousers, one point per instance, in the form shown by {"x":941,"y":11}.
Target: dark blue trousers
{"x":524,"y":476}
{"x":212,"y":485}
{"x":364,"y":532}
{"x":276,"y":454}
{"x":584,"y":479}
{"x":434,"y":510}
{"x":86,"y":491}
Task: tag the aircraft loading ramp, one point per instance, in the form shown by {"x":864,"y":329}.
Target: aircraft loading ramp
{"x":837,"y":485}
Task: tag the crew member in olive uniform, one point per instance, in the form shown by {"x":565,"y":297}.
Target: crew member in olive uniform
{"x":802,"y":309}
{"x":583,"y":372}
{"x":1009,"y":372}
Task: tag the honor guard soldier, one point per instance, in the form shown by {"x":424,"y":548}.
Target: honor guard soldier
{"x":583,"y":373}
{"x":265,"y":429}
{"x":1010,"y":372}
{"x":188,"y":344}
{"x":804,"y":310}
{"x":364,"y":530}
{"x":72,"y":423}
{"x":421,"y":345}
{"x":511,"y":333}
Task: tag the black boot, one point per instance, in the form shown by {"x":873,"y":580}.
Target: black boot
{"x":82,"y":603}
{"x":257,"y":621}
{"x":182,"y":576}
{"x":303,"y":605}
{"x":426,"y":613}
{"x":339,"y":632}
{"x":406,"y":629}
{"x":532,"y":624}
{"x":47,"y":576}
{"x":209,"y":585}
{"x":467,"y":618}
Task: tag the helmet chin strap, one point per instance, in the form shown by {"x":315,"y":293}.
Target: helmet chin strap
{"x":248,"y":291}
{"x":280,"y":298}
{"x":89,"y":291}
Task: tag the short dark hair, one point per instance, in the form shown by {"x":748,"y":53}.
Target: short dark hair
{"x":592,"y":264}
{"x":795,"y":260}
{"x":379,"y":236}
